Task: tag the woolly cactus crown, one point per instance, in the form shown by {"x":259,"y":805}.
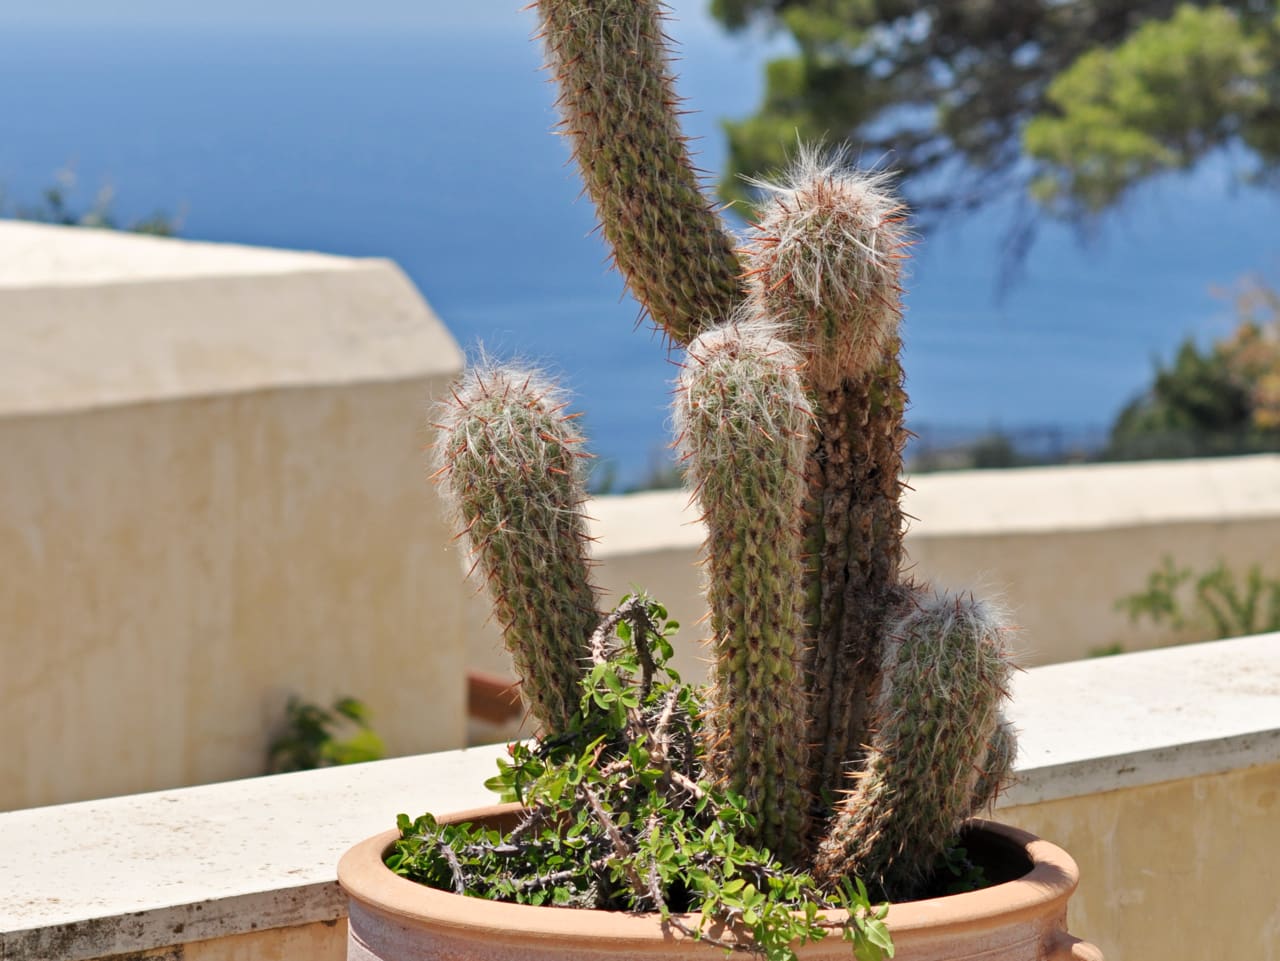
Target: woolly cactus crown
{"x":825,"y":259}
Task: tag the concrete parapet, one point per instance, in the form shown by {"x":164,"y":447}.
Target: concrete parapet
{"x":1057,"y":545}
{"x":212,"y":497}
{"x":1061,"y":545}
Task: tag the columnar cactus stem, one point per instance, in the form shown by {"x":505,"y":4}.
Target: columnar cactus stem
{"x":744,"y":423}
{"x":617,"y":99}
{"x":854,"y":546}
{"x":945,"y":672}
{"x":791,"y":416}
{"x":825,"y":260}
{"x":511,"y":474}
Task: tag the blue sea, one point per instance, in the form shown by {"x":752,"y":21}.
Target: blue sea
{"x":431,"y":145}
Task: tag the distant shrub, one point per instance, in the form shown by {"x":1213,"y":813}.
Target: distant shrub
{"x":315,"y":737}
{"x":1218,"y":600}
{"x":56,"y":206}
{"x":1214,"y":401}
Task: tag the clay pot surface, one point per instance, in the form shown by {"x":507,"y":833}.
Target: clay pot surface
{"x":394,"y":919}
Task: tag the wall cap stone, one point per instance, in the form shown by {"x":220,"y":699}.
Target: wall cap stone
{"x":94,"y":318}
{"x":991,"y":503}
{"x":34,"y":255}
{"x":1129,"y":720}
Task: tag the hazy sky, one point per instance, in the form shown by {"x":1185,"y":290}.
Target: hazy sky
{"x":438,"y":14}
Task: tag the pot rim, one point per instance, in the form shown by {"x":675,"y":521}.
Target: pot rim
{"x":365,"y":878}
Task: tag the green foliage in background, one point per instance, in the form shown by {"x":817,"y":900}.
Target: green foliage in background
{"x":1171,"y":92}
{"x":1222,"y":399}
{"x":1218,"y":600}
{"x":1069,"y":103}
{"x":315,"y":737}
{"x":1253,"y":351}
{"x":1194,"y":408}
{"x":1106,"y":650}
{"x":57,"y":205}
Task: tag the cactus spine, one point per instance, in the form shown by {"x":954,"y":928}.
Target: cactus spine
{"x":617,"y":99}
{"x":825,"y":260}
{"x":511,"y":475}
{"x":743,"y":418}
{"x":791,"y":421}
{"x":997,"y":766}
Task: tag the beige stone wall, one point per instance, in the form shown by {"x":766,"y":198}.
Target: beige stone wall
{"x":319,"y":941}
{"x":212,"y":496}
{"x":1058,"y":546}
{"x":1181,"y":871}
{"x":1062,"y":586}
{"x":175,"y":571}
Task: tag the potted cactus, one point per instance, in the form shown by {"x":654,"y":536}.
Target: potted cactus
{"x":852,"y":725}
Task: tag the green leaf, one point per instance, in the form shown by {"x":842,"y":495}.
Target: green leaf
{"x":690,"y":844}
{"x":877,"y":933}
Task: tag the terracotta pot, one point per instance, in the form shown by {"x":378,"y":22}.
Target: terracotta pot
{"x":1022,"y":919}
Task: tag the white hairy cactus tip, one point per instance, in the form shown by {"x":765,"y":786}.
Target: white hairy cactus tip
{"x":740,"y":382}
{"x":502,"y":428}
{"x":825,"y":258}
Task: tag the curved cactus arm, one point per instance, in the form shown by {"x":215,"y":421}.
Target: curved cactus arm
{"x":510,"y":471}
{"x":618,"y":103}
{"x":946,"y":670}
{"x":826,"y":261}
{"x":744,"y":422}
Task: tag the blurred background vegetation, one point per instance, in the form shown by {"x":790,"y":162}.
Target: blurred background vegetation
{"x":1067,"y":105}
{"x":60,"y":204}
{"x":1054,"y":111}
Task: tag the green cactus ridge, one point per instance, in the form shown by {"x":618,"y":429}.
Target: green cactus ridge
{"x":510,"y":472}
{"x":744,"y":421}
{"x":825,"y":261}
{"x":617,"y":99}
{"x":946,"y":670}
{"x":854,"y":547}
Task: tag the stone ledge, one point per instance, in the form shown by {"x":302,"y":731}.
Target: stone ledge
{"x":140,"y":872}
{"x":35,"y":255}
{"x":127,"y":874}
{"x":1090,"y":497}
{"x":1027,"y":500}
{"x":92,"y":319}
{"x":1112,"y":723}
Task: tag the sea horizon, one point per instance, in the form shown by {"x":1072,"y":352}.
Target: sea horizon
{"x":434,"y":148}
